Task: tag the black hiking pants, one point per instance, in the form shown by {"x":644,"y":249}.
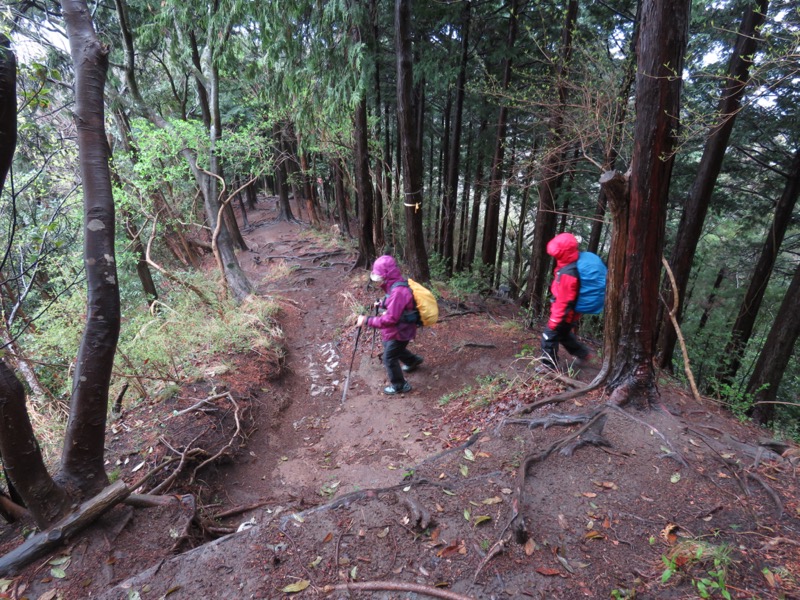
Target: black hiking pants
{"x":395,"y":352}
{"x":563,"y":335}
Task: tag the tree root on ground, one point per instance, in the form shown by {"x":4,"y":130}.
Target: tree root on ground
{"x":396,"y":586}
{"x":419,"y":517}
{"x":590,"y":434}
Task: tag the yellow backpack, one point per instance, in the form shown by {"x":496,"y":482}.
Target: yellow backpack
{"x":427,"y":312}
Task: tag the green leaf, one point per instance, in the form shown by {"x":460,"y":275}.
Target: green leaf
{"x":469,"y":455}
{"x":464,"y":470}
{"x":676,"y":477}
{"x":58,"y":572}
{"x":449,"y":493}
{"x":296,"y":587}
{"x":482,"y":519}
{"x":467,"y":514}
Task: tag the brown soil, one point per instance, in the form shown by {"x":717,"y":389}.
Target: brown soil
{"x":417,"y":495}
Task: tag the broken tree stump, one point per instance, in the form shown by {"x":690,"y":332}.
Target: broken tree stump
{"x":41,"y":543}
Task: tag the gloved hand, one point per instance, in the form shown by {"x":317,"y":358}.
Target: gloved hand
{"x":361,"y":320}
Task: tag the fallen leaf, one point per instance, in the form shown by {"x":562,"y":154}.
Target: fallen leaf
{"x":482,"y":519}
{"x":464,"y":470}
{"x":668,"y":533}
{"x":469,"y":455}
{"x":466,"y":514}
{"x":383,"y":533}
{"x":594,"y":535}
{"x":435,"y":534}
{"x":439,"y":507}
{"x":484,"y":455}
{"x":693,"y":443}
{"x":589,"y":494}
{"x":722,"y":475}
{"x":328,"y":538}
{"x":448,"y":551}
{"x":313,"y":564}
{"x":296,"y":587}
{"x":769,"y":576}
{"x":493,"y":500}
{"x":137,"y":467}
{"x":549,"y":572}
{"x":562,"y":520}
{"x":448,"y":492}
{"x":49,"y":595}
{"x":530,"y":546}
{"x":506,"y":491}
{"x":676,"y":477}
{"x":564,"y":563}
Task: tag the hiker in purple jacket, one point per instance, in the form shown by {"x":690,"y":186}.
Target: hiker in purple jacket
{"x":397,"y":324}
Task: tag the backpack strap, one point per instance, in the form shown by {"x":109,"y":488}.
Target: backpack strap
{"x":409,"y":316}
{"x":572,"y":270}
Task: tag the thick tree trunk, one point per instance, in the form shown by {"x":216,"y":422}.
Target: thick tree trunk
{"x":699,"y":198}
{"x":553,"y":167}
{"x":411,"y":156}
{"x":453,"y":163}
{"x":776,"y":354}
{"x":83,"y":458}
{"x":748,"y":311}
{"x":492,"y":220}
{"x":662,"y":43}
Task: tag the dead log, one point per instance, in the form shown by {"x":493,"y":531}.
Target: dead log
{"x":42,"y":543}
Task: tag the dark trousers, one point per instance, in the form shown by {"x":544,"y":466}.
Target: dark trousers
{"x":395,"y":352}
{"x":563,"y":335}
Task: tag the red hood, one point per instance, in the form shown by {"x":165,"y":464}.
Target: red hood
{"x":564,"y":248}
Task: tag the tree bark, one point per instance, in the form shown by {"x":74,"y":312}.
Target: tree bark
{"x":776,"y":354}
{"x":748,"y":311}
{"x":492,"y":220}
{"x":366,"y":242}
{"x":341,"y":204}
{"x":82,"y":461}
{"x":661,"y":48}
{"x":411,"y":155}
{"x":699,"y":198}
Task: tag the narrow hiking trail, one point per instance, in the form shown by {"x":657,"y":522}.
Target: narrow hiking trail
{"x":314,"y":446}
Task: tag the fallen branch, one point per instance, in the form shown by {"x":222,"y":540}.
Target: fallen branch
{"x":396,"y":586}
{"x":42,"y":543}
{"x":686,"y":365}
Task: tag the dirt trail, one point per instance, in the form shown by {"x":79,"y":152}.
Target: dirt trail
{"x":318,"y":447}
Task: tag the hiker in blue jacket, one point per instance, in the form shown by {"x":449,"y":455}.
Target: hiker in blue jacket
{"x":396,"y":332}
{"x":563,"y":316}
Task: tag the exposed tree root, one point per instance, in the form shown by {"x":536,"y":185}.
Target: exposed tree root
{"x":590,"y":434}
{"x":497,"y":548}
{"x":396,"y":586}
{"x":419,"y":517}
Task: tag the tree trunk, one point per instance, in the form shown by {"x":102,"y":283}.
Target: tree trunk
{"x":463,"y":225}
{"x":476,"y":199}
{"x":697,"y":202}
{"x":82,"y":461}
{"x":453,"y":163}
{"x":284,"y":208}
{"x":366,"y":243}
{"x":341,"y":204}
{"x":662,"y":43}
{"x":492,"y":220}
{"x":612,"y":148}
{"x":411,"y":156}
{"x":748,"y":311}
{"x":776,"y":354}
{"x":544,"y":227}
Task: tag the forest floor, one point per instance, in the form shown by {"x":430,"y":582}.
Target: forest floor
{"x":422,"y":495}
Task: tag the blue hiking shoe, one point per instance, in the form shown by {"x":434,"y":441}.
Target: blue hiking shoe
{"x":391,"y":390}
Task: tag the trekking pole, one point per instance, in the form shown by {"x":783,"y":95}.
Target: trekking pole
{"x":350,"y":370}
{"x":374,"y":333}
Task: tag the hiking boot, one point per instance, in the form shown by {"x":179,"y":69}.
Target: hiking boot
{"x":413,"y":366}
{"x":391,"y":390}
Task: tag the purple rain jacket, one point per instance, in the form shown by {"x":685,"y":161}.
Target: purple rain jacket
{"x":399,"y":299}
